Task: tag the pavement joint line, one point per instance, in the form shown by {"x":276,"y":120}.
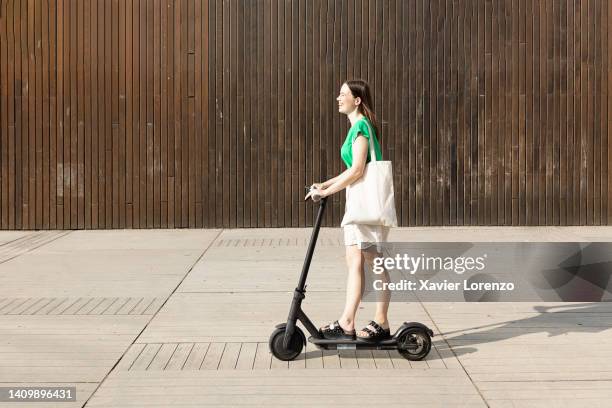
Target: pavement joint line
{"x":24,"y":238}
{"x":154,"y":315}
{"x":484,"y":400}
{"x":60,"y":234}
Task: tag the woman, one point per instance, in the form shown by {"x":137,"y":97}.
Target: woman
{"x":362,"y":242}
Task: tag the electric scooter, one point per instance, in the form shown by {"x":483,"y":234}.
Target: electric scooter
{"x":412,"y":339}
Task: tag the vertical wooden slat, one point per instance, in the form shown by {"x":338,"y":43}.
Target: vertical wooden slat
{"x":129,"y":120}
{"x":109,"y":130}
{"x":540,"y":188}
{"x":112,"y":192}
{"x":295,"y":136}
{"x":19,"y":114}
{"x":562,"y":140}
{"x":214,"y":150}
{"x":197,"y":119}
{"x":20,"y":128}
{"x":149,"y":154}
{"x":87,"y":115}
{"x":505,"y":144}
{"x":69,"y":114}
{"x":537,"y":115}
{"x":492,"y":176}
{"x":122,"y":106}
{"x":605,"y":156}
{"x":577,"y":111}
{"x":79,"y":165}
{"x":249,"y":99}
{"x":486,"y":175}
{"x":92,"y":188}
{"x":157,"y":123}
{"x":569,"y":136}
{"x":13,"y":24}
{"x":205,"y":116}
{"x":232,"y":108}
{"x":188,"y":147}
{"x":100,"y":118}
{"x":401,"y":92}
{"x":37,"y":152}
{"x":301,"y":102}
{"x":400,"y":96}
{"x":456,"y":148}
{"x":206,"y":220}
{"x":59,"y":120}
{"x":136,"y":123}
{"x":281,"y":197}
{"x":421,"y":105}
{"x":306,"y":105}
{"x":4,"y":131}
{"x":608,"y":201}
{"x":15,"y":157}
{"x":225,"y":110}
{"x":522,"y":101}
{"x":167,"y":171}
{"x":409,"y":11}
{"x":603,"y":121}
{"x":174,"y":184}
{"x":31,"y":122}
{"x":288,"y":134}
{"x":45,"y":101}
{"x":506,"y":114}
{"x":583,"y":155}
{"x":434,"y":85}
{"x":591,"y":113}
{"x":447,"y":134}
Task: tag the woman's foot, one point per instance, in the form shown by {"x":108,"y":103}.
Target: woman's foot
{"x":335,"y":331}
{"x":374,"y":332}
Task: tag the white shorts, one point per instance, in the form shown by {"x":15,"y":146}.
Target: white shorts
{"x":365,"y":236}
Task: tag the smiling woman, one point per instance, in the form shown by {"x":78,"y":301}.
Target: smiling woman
{"x":362,"y":242}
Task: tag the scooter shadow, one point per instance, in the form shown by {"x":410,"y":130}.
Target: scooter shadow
{"x":542,"y":322}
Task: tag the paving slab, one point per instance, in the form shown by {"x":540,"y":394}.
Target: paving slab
{"x":72,"y":303}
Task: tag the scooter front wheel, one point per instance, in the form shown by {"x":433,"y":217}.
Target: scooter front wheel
{"x":414,"y":344}
{"x":296,"y":344}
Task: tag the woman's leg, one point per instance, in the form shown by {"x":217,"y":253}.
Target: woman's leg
{"x":354,"y":286}
{"x":384,"y":296}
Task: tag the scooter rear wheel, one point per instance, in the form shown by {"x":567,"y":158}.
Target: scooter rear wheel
{"x":414,"y":344}
{"x":296,"y":344}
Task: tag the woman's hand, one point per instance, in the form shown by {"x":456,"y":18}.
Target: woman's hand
{"x":315,"y":192}
{"x":318,"y":186}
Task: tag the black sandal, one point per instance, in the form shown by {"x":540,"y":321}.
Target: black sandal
{"x":335,"y":332}
{"x":377,"y":334}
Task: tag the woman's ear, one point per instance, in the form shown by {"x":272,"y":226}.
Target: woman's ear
{"x":357,"y":101}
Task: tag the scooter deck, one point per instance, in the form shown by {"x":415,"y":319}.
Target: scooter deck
{"x":387,"y":344}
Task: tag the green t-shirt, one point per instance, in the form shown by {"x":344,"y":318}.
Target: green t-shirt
{"x":359,"y":128}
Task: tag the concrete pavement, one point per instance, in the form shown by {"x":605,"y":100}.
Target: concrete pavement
{"x":182,"y":318}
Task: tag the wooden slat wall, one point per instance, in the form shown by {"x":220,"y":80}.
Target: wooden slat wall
{"x":189,"y":113}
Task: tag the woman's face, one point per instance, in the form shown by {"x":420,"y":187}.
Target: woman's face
{"x":346,"y":102}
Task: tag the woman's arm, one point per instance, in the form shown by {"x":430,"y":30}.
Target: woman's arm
{"x":329,"y":182}
{"x":352,"y":174}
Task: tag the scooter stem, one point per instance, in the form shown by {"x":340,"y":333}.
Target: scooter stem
{"x":311,"y":245}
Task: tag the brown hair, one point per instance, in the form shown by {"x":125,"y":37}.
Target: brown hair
{"x":360,"y":89}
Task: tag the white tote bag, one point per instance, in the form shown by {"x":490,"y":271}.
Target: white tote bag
{"x":370,"y":200}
